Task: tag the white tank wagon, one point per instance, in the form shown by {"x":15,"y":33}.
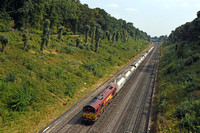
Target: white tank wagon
{"x":119,"y":82}
{"x":127,"y":74}
{"x":145,"y":55}
{"x":132,"y":68}
{"x":123,"y":77}
{"x":140,"y":60}
{"x":136,"y":64}
{"x":151,"y":49}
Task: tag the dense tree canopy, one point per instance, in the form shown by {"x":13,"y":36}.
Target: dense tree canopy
{"x":187,"y":32}
{"x":31,"y":14}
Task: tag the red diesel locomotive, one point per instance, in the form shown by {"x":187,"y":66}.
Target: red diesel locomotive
{"x":97,"y":105}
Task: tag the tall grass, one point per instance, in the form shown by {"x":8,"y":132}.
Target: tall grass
{"x":28,"y":77}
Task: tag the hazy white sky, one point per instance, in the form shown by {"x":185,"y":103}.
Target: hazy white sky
{"x":156,"y":17}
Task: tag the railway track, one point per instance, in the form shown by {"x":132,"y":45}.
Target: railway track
{"x":132,"y":100}
{"x":70,"y":121}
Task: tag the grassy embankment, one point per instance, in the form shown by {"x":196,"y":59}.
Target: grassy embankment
{"x":28,"y":77}
{"x":177,"y":100}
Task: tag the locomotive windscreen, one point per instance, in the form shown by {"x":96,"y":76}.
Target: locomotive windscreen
{"x":89,"y":109}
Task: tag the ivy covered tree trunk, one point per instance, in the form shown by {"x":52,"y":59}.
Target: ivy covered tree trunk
{"x":77,"y":42}
{"x":87,"y":29}
{"x":47,"y":37}
{"x":60,"y":32}
{"x":4,"y":41}
{"x":42,"y":45}
{"x":46,"y":34}
{"x":113,"y":37}
{"x":108,"y":35}
{"x":117,"y":36}
{"x":124,"y":36}
{"x":92,"y":34}
{"x":96,"y":45}
{"x":3,"y":47}
{"x":121,"y":35}
{"x":97,"y":36}
{"x":75,"y":28}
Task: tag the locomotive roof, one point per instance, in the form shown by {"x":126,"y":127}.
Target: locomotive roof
{"x":101,"y":97}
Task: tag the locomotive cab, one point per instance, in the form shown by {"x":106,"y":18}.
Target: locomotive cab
{"x":88,"y":113}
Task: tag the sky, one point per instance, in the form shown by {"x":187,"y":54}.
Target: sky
{"x":155,"y":17}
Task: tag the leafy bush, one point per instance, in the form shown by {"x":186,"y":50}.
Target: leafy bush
{"x":54,"y":45}
{"x":36,"y":31}
{"x":81,"y":46}
{"x":69,"y":50}
{"x":58,"y":72}
{"x":70,"y":90}
{"x":94,"y":67}
{"x":189,"y":122}
{"x":21,"y":98}
{"x":72,"y":44}
{"x":182,"y":109}
{"x":10,"y":77}
{"x":67,"y":33}
{"x":189,"y":61}
{"x":84,"y":46}
{"x":91,"y":67}
{"x":110,"y":59}
{"x":196,"y":57}
{"x":28,"y":65}
{"x":189,"y":115}
{"x":3,"y":28}
{"x":98,"y":73}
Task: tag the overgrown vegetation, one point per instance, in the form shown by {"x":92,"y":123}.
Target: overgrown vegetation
{"x":60,"y":47}
{"x":28,"y":76}
{"x":177,"y":101}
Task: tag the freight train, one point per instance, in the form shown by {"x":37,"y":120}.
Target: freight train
{"x":97,"y":105}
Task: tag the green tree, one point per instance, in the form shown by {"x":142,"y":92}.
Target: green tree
{"x":45,"y":35}
{"x":60,"y":32}
{"x":124,"y":36}
{"x":97,"y":37}
{"x":87,"y":30}
{"x":92,"y":34}
{"x":78,"y":42}
{"x":117,"y":36}
{"x":198,"y":14}
{"x":4,"y":42}
{"x":108,"y":35}
{"x":113,"y":37}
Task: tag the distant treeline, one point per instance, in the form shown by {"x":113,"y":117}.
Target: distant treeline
{"x":187,"y":32}
{"x":74,"y":16}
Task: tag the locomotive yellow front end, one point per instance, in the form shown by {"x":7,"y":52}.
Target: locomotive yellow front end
{"x":89,"y":114}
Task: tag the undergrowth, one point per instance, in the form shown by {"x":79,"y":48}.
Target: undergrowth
{"x":177,"y":100}
{"x":28,"y":77}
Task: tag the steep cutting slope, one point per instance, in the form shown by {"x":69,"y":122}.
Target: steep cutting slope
{"x":27,"y":77}
{"x":177,"y":103}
